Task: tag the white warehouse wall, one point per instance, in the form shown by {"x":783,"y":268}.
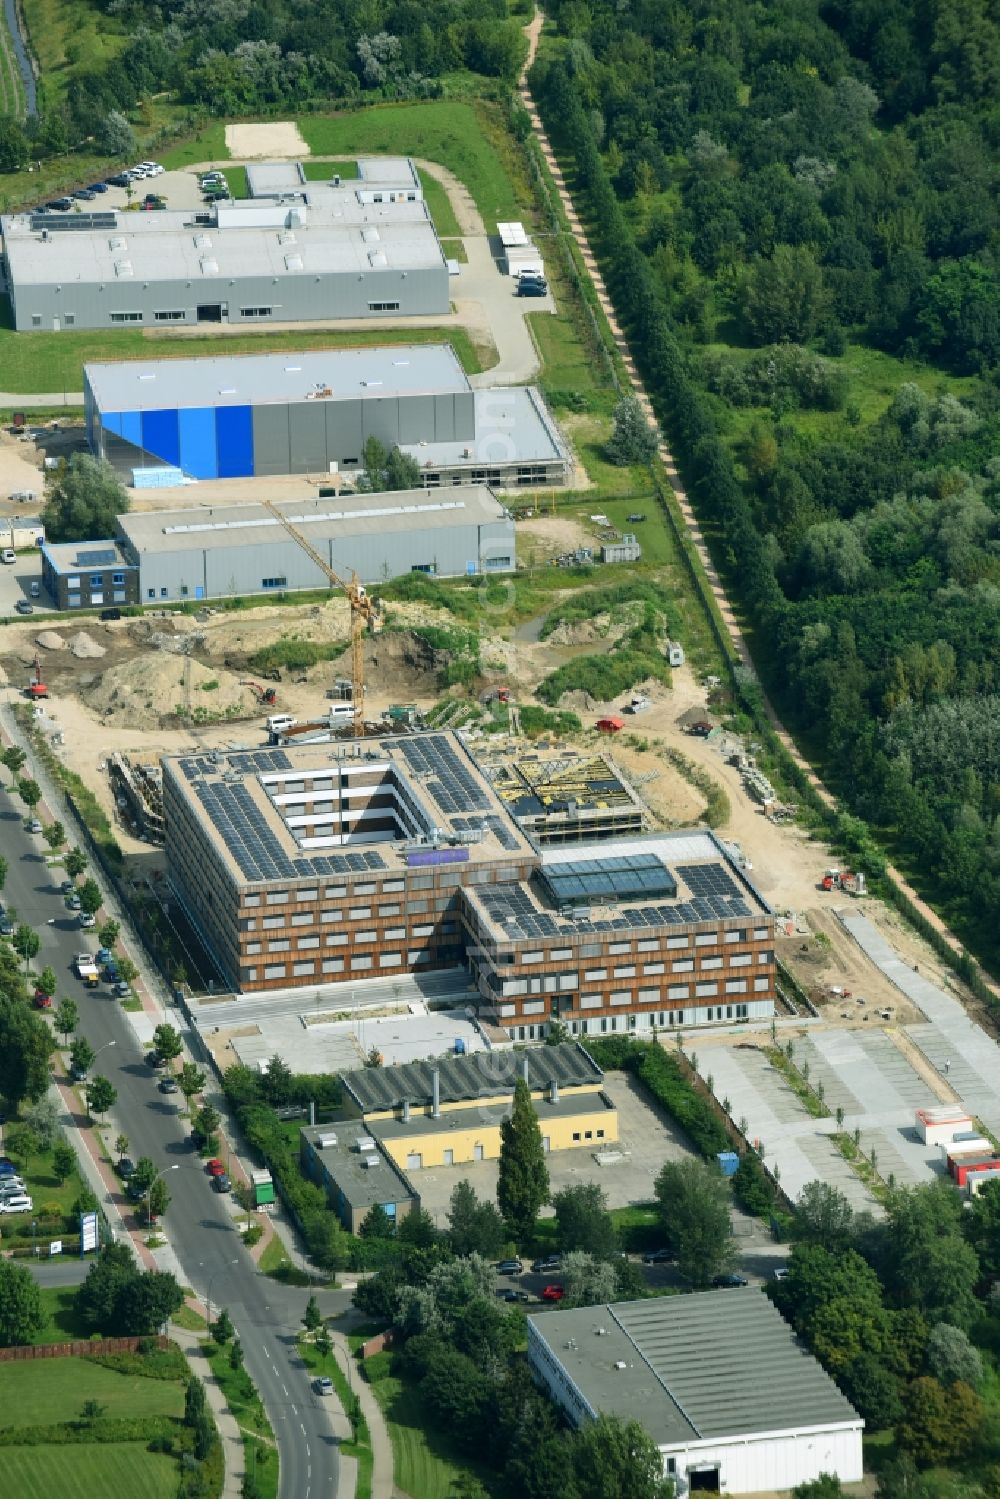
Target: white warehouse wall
{"x":751,"y":1465}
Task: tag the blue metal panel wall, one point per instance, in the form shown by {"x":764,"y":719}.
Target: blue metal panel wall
{"x":111,"y":421}
{"x":198,"y":455}
{"x":131,"y":428}
{"x":160,"y":434}
{"x":234,"y":431}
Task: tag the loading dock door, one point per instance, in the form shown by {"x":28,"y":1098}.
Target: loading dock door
{"x":210,"y":312}
{"x":704,"y":1480}
{"x":414,"y":1161}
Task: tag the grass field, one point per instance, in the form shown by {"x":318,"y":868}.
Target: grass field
{"x":11,"y":82}
{"x":422,"y":1461}
{"x":62,"y":1320}
{"x":70,"y":36}
{"x":44,"y":1391}
{"x":322,"y":171}
{"x":124,"y":1468}
{"x":460,"y":136}
{"x":209,"y":145}
{"x":53,"y":362}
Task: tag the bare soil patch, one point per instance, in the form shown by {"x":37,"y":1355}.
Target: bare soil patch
{"x":276,"y":138}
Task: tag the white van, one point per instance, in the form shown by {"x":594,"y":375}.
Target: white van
{"x":341,"y":712}
{"x":22,"y":1204}
{"x":279,"y":722}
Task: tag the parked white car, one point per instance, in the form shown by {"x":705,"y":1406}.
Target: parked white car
{"x":152,"y":168}
{"x":21,"y":1204}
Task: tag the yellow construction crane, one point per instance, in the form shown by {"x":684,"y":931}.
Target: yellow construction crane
{"x":366,"y":613}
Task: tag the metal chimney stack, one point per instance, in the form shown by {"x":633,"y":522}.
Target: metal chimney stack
{"x":436,"y":1094}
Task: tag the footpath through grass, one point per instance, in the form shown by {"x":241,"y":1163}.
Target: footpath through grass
{"x":424,"y":1459}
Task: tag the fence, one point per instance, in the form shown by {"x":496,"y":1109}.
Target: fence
{"x":78,"y":1349}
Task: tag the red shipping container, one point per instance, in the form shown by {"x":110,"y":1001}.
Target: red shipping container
{"x":966,"y":1168}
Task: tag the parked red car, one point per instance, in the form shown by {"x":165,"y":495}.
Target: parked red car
{"x":553,"y":1293}
{"x":43,"y":1001}
{"x":214,"y":1167}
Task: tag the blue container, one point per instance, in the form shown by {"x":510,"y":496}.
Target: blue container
{"x":459,"y":1046}
{"x":729,"y":1162}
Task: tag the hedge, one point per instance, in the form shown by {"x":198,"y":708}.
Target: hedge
{"x":104,"y":1429}
{"x":661,"y":1075}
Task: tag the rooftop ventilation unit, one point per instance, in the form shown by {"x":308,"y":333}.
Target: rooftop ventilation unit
{"x":323,"y":1142}
{"x":117,"y":244}
{"x":368,"y":1161}
{"x":620,"y":1363}
{"x":364,"y":1144}
{"x":293,"y":262}
{"x":370,"y":235}
{"x":203,"y":242}
{"x":209,"y":267}
{"x":286,"y":237}
{"x":123,"y":268}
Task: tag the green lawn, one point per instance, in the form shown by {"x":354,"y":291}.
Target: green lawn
{"x":236,"y":178}
{"x":70,"y":37}
{"x":45,"y":1391}
{"x":123,"y":1468}
{"x":422,"y":1462}
{"x":439,"y":206}
{"x":209,"y":145}
{"x":33,"y":363}
{"x":463,"y":137}
{"x":322,"y":171}
{"x":62,"y":1321}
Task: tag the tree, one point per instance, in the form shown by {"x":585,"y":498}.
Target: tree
{"x":523,"y":1178}
{"x":617,"y":1459}
{"x":26,"y":1043}
{"x":81,"y":1055}
{"x":195,"y":1401}
{"x":146,"y":1302}
{"x":13,"y":757}
{"x":938,"y":1424}
{"x":752,"y":1186}
{"x":951,"y":1356}
{"x":121,"y":1146}
{"x":90,"y":897}
{"x":26,"y":942}
{"x":75,"y":862}
{"x":785,"y":296}
{"x":63,"y":1161}
{"x":66,"y":1018}
{"x":4,"y":868}
{"x":21,"y":1314}
{"x":826,"y":1486}
{"x":97,"y":1297}
{"x":91,"y":1411}
{"x":157,"y":1199}
{"x":167,"y":1042}
{"x":474,"y":1227}
{"x":377,"y":1224}
{"x":145,"y":1174}
{"x":222,"y":1327}
{"x":55,"y":835}
{"x":312,"y":1317}
{"x":190,"y":1080}
{"x":115,"y":136}
{"x":129,"y":972}
{"x":587,"y":1281}
{"x":874,"y":1391}
{"x":30,"y":792}
{"x":417,"y":1229}
{"x":277,"y":1083}
{"x":824,"y":1216}
{"x":42,"y":1118}
{"x":47,"y":982}
{"x":236,"y":1355}
{"x":401,"y":471}
{"x":583,"y":1220}
{"x":323,"y":1343}
{"x":981,"y":1224}
{"x":206,"y":1121}
{"x":694,"y":1202}
{"x":456,"y":1393}
{"x":15,"y":152}
{"x":922,"y":1258}
{"x":632,"y":439}
{"x":101,"y":1095}
{"x":84,"y":500}
{"x":107,"y":933}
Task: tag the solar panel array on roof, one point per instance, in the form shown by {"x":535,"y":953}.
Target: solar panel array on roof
{"x":62,"y":222}
{"x":454,"y":787}
{"x":588,"y":880}
{"x":511,"y":908}
{"x":103,"y":558}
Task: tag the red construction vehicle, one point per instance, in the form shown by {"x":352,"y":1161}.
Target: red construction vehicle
{"x":844,"y":879}
{"x":265,"y":695}
{"x":36,"y":688}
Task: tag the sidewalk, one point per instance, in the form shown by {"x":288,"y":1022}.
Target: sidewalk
{"x":382,"y":1464}
{"x":228,"y":1427}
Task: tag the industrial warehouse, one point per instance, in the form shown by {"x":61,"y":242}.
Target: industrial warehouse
{"x":327,"y":863}
{"x":719,"y":1381}
{"x":448,"y":1112}
{"x":310,"y":251}
{"x":168,"y":421}
{"x":242,"y":550}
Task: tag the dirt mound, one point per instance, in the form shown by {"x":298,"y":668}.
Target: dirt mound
{"x":50,"y":641}
{"x":85,"y":647}
{"x":398,"y":663}
{"x":142,"y":693}
{"x":578,"y":702}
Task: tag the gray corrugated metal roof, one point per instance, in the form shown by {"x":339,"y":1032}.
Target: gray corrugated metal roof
{"x":706,"y":1366}
{"x":251,"y":379}
{"x":482,"y":1075}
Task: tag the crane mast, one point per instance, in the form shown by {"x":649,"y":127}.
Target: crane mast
{"x":365,"y":612}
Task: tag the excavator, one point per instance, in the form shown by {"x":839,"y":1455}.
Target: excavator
{"x":36,"y":688}
{"x":266,"y":696}
{"x":366,"y":613}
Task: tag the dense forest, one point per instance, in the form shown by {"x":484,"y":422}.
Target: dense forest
{"x":233,"y":57}
{"x":783,"y":196}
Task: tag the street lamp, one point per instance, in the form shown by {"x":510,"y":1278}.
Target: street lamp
{"x":156,"y":1178}
{"x":107,"y":1045}
{"x":211,"y":1282}
{"x":34,"y":1232}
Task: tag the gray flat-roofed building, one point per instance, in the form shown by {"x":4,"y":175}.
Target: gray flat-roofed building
{"x":328,"y":252}
{"x":241,"y":416}
{"x":718,"y":1379}
{"x":243,"y":549}
{"x":355,"y":1180}
{"x":462,"y":1079}
{"x":88,"y":574}
{"x":274,"y":179}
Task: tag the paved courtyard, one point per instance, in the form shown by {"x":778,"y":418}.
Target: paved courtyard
{"x":647,"y":1139}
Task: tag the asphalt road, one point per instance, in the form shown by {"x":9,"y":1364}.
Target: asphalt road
{"x":197,"y":1221}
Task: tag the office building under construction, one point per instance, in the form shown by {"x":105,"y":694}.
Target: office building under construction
{"x":568,"y":797}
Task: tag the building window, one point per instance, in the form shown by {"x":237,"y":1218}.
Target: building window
{"x":383,"y":306}
{"x":301,"y":969}
{"x":736,"y":986}
{"x":118,"y":579}
{"x":97,"y":580}
{"x":273,"y":583}
{"x":164,"y":593}
{"x":390,"y":959}
{"x":126,"y":317}
{"x":273,"y":923}
{"x":627,"y":972}
{"x":173,"y":316}
{"x":151,"y":593}
{"x":253,"y":948}
{"x":359,"y":913}
{"x":594,"y":975}
{"x":36,"y":319}
{"x":302,"y":918}
{"x":651,"y":968}
{"x":280,"y":944}
{"x":685,"y":965}
{"x":306,"y":942}
{"x":428,"y":568}
{"x":363,"y":960}
{"x":677,"y":991}
{"x":274,"y":971}
{"x":705,"y":991}
{"x":576,"y":1135}
{"x":277,"y":897}
{"x":760,"y":933}
{"x":73,"y":584}
{"x":711,"y":963}
{"x":118,"y":597}
{"x":333,"y":965}
{"x":706,"y":939}
{"x":736,"y":936}
{"x":255,"y":312}
{"x":741,"y":960}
